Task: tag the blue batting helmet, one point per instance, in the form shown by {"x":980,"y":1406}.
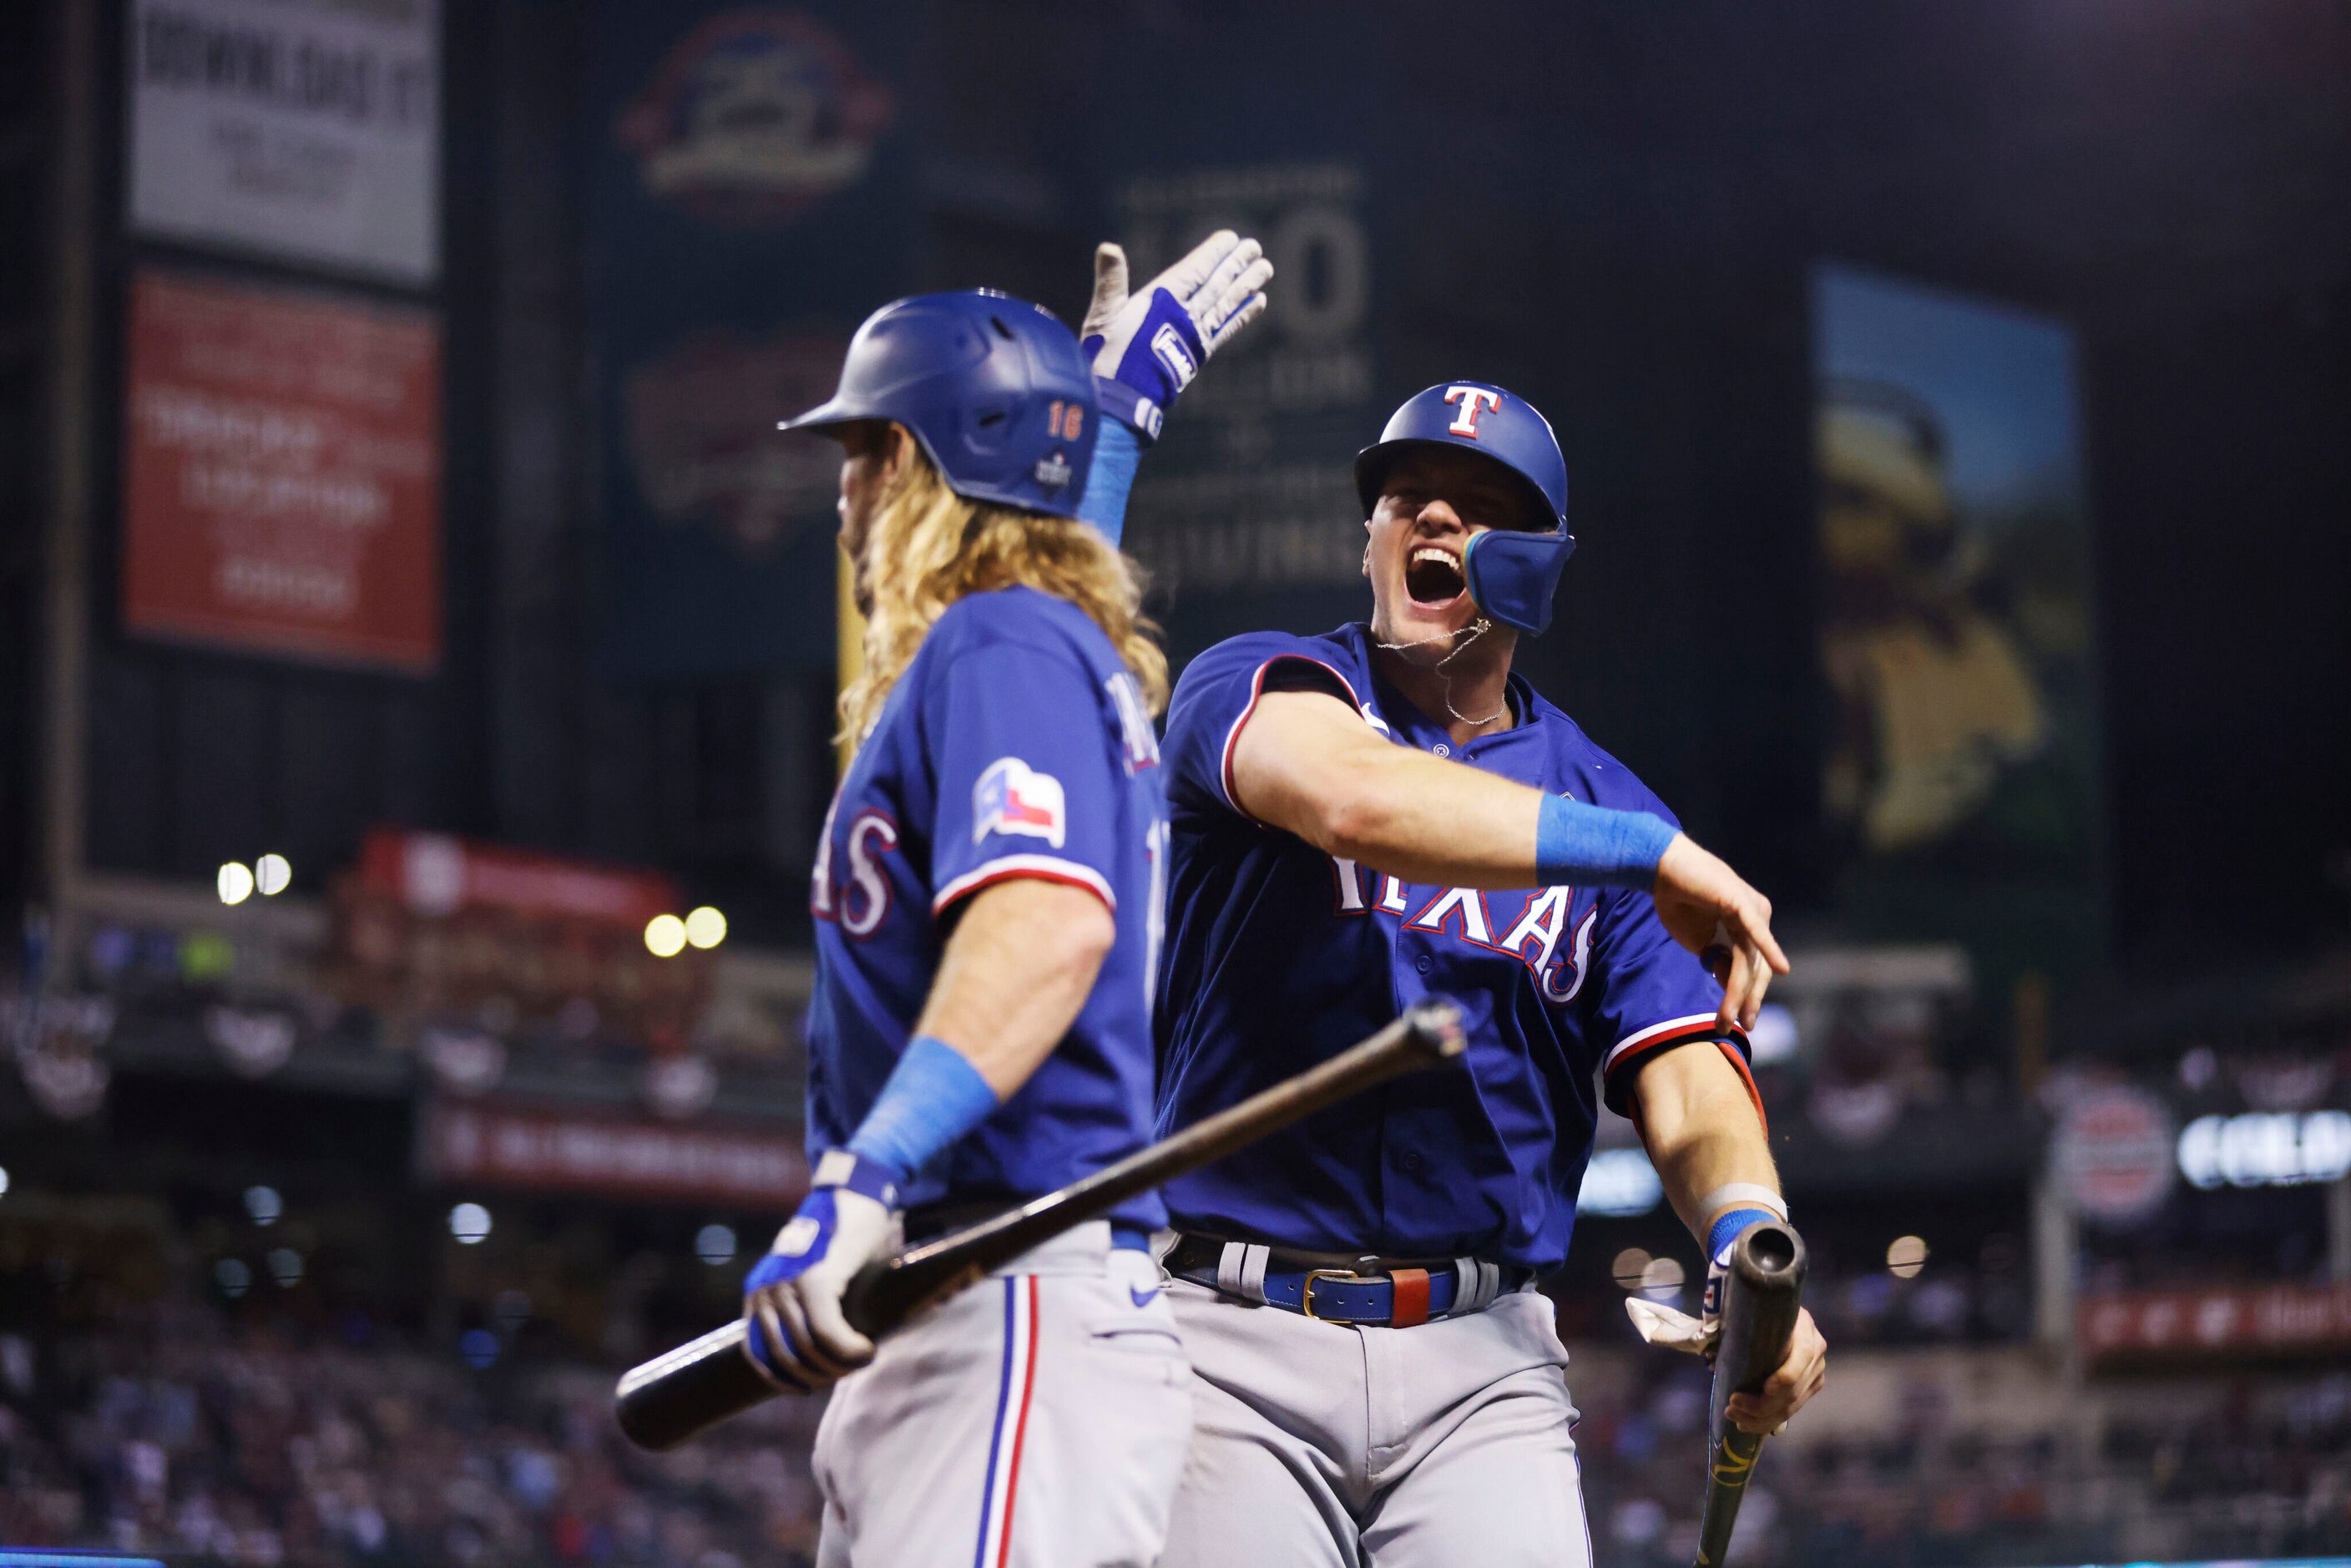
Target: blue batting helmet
{"x":994,"y":388}
{"x":1512,"y":575}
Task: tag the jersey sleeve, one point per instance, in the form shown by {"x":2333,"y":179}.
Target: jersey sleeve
{"x":1027,"y":768}
{"x":1652,"y":994}
{"x":1218,"y":692}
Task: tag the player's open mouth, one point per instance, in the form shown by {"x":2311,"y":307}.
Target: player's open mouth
{"x":1433,"y":577}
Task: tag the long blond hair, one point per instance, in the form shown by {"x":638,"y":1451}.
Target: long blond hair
{"x":930,"y":547}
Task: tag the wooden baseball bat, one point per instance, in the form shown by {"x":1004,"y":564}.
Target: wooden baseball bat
{"x":1762,"y":1292}
{"x":672,"y":1398}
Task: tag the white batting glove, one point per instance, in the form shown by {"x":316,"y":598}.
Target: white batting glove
{"x":1146,"y":347}
{"x":799,"y":1338}
{"x":1672,"y":1328}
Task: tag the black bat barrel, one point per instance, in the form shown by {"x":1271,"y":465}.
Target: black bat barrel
{"x":700,"y":1384}
{"x":1761,"y":1295}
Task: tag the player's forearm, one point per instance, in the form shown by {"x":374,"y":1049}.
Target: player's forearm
{"x":1424,"y":820}
{"x":1703,"y":1135}
{"x":1306,"y":764}
{"x":1016,"y":972}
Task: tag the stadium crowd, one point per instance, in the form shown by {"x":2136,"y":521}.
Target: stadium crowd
{"x":239,"y":1439}
{"x":177,"y":1432}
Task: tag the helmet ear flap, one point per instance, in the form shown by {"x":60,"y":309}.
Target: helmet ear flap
{"x":1513,"y":577}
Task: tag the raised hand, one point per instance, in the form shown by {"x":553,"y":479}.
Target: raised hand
{"x":1147,"y":345}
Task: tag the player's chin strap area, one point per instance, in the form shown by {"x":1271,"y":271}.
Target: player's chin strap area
{"x":1368,"y":1293}
{"x":1468,"y":635}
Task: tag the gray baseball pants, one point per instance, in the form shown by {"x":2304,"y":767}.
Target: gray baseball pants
{"x":1319,"y":1445}
{"x":1038,"y":1419}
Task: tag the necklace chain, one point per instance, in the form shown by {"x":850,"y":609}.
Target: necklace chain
{"x":1476,"y":630}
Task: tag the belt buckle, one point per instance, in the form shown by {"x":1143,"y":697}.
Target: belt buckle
{"x":1306,"y":1291}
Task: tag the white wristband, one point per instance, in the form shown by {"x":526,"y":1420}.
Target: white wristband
{"x":1743,"y":1192}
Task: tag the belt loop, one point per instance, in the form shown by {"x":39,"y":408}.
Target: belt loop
{"x":1410,"y":1298}
{"x":1240,"y":1270}
{"x":1477,"y":1284}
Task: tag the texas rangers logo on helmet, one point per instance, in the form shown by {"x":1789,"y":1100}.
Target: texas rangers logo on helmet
{"x":1472,"y":401}
{"x":1013,"y":798}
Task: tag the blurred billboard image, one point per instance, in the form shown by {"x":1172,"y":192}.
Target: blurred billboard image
{"x":1957,"y":629}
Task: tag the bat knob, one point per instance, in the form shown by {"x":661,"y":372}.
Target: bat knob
{"x":1437,"y":1026}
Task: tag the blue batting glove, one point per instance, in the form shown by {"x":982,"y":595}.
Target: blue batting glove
{"x":797,"y":1336}
{"x":1146,"y":347}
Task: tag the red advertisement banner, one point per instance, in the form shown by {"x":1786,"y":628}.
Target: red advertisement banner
{"x":2222,"y":1322}
{"x":550,"y":1152}
{"x":435,"y":874}
{"x":282,"y":487}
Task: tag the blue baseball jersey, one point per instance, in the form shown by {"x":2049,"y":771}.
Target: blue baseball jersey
{"x":1016,"y":745}
{"x":1280,"y":956}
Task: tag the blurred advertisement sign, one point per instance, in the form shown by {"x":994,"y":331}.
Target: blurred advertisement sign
{"x":2266,"y":1149}
{"x":307,"y":130}
{"x":2113,"y":1153}
{"x":446,"y":938}
{"x":282,"y":488}
{"x":545,"y":1151}
{"x":435,"y":874}
{"x":754,"y":116}
{"x":1957,"y":633}
{"x":2224,"y":1323}
{"x":749,"y":206}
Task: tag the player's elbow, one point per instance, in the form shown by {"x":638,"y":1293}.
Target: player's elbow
{"x":1073,"y":946}
{"x":1354,"y":818}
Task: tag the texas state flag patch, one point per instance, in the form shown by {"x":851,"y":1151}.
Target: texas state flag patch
{"x":1013,"y":798}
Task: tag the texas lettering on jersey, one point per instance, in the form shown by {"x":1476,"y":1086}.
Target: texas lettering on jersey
{"x":1279,"y":955}
{"x":1537,"y":921}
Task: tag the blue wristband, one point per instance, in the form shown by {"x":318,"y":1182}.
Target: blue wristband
{"x":933,"y":1097}
{"x":1579,"y":844}
{"x":1726,"y":1230}
{"x":1117,"y":453}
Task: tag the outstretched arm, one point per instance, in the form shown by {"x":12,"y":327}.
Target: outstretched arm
{"x":1306,"y":762}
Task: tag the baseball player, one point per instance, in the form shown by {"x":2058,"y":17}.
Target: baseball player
{"x":987,"y":896}
{"x":1361,"y":819}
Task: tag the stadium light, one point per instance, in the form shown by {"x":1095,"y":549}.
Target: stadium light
{"x":4,"y":1181}
{"x":1628,"y":1268}
{"x":1662,"y":1280}
{"x":273,"y":875}
{"x":664,"y":935}
{"x":715,"y":1244}
{"x":263,"y":1205}
{"x":1906,"y":1256}
{"x":234,"y":1278}
{"x":705,"y":927}
{"x":1619,"y":1182}
{"x":284,"y":1267}
{"x":236,"y":883}
{"x":469,"y":1223}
